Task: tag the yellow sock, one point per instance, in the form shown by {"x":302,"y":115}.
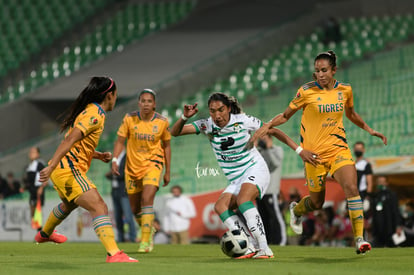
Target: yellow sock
{"x":304,"y":206}
{"x":356,"y":214}
{"x":55,"y":218}
{"x":103,"y":229}
{"x":138,"y":218}
{"x":147,"y":220}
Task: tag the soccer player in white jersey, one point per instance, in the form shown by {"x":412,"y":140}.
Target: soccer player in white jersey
{"x":228,"y":130}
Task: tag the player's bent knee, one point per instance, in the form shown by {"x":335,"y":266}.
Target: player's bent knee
{"x":219,"y":207}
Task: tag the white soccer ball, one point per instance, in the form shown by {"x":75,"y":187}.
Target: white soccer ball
{"x":234,"y":243}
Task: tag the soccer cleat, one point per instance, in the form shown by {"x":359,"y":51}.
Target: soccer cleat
{"x":362,"y":246}
{"x":249,"y":254}
{"x":55,"y":237}
{"x":264,"y":254}
{"x":295,"y":221}
{"x":144,"y":247}
{"x":120,"y":257}
{"x":151,"y":240}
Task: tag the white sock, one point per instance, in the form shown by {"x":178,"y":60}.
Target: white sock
{"x":254,"y":223}
{"x":234,"y":222}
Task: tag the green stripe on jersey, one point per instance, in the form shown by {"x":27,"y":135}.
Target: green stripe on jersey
{"x":238,"y":166}
{"x":235,"y":178}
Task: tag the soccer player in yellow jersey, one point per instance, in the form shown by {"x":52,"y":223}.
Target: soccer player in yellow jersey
{"x":67,"y":169}
{"x":148,"y":152}
{"x":323,"y":102}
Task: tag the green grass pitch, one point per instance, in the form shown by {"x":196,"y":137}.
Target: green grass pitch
{"x":89,"y":258}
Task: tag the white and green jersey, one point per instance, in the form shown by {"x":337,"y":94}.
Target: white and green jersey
{"x":229,"y":143}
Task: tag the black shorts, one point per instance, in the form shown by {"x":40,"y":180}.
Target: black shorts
{"x":33,"y":198}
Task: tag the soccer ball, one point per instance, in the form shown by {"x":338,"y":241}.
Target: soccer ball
{"x":234,"y":243}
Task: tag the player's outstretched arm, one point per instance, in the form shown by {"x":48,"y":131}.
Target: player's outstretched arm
{"x":353,"y":116}
{"x":276,"y":121}
{"x":180,"y":128}
{"x":306,"y":155}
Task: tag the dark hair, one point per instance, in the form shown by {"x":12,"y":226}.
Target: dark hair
{"x":37,"y":149}
{"x":95,"y":91}
{"x":176,"y":187}
{"x":329,"y":55}
{"x":359,"y":143}
{"x":229,"y":101}
{"x":147,"y":91}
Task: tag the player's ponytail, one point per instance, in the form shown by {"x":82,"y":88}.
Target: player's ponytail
{"x":95,"y":91}
{"x":229,"y":101}
{"x":329,"y":55}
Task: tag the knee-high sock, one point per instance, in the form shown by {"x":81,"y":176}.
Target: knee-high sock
{"x":254,"y":223}
{"x":233,"y":222}
{"x":56,"y":216}
{"x":103,"y":229}
{"x":304,"y":206}
{"x":356,"y":214}
{"x":147,"y":220}
{"x":138,"y":218}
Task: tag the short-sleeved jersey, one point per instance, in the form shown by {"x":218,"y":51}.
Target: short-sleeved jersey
{"x":91,"y":123}
{"x":322,"y":129}
{"x":363,"y":168}
{"x":229,"y":143}
{"x":144,"y":148}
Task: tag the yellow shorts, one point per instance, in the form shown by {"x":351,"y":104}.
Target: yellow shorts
{"x":70,"y":184}
{"x":134,"y":185}
{"x":316,"y":176}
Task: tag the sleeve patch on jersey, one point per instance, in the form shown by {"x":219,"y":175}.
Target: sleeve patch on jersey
{"x":93,"y":121}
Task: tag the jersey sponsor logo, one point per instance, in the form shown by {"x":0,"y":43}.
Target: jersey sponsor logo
{"x":226,"y":143}
{"x":203,"y":126}
{"x":331,"y":108}
{"x":329,"y":123}
{"x":93,"y":121}
{"x":229,"y":158}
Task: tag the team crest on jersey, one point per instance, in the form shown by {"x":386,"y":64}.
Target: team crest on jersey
{"x":136,"y":128}
{"x":237,"y":127}
{"x":203,"y":126}
{"x":93,"y":121}
{"x":155,"y":129}
{"x":340,"y":96}
{"x":319,"y":99}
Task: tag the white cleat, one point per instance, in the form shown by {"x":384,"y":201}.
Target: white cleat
{"x":264,"y":254}
{"x":295,"y":221}
{"x":362,"y":246}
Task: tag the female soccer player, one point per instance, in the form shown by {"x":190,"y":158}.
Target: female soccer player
{"x":323,"y":102}
{"x":228,"y":130}
{"x":67,"y":169}
{"x":148,"y":151}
